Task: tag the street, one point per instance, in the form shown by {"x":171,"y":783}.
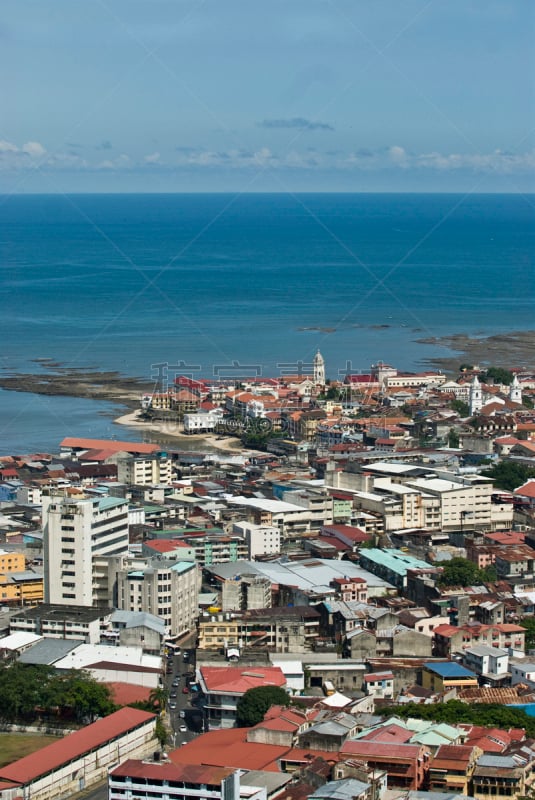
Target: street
{"x":193,"y":718}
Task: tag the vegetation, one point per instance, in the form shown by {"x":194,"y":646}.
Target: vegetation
{"x":498,"y":375}
{"x":509,"y":475}
{"x":18,"y":745}
{"x":453,"y":438}
{"x":529,"y":624}
{"x":462,"y":408}
{"x":255,"y":702}
{"x":29,"y":692}
{"x":454,"y":712}
{"x":160,"y":731}
{"x":461,"y":572}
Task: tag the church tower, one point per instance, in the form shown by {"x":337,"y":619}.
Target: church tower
{"x":476,"y":397}
{"x":319,"y":369}
{"x":515,"y":392}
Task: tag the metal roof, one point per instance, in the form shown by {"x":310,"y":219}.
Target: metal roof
{"x":449,"y":669}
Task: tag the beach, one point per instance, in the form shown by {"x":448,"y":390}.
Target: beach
{"x":165,"y":431}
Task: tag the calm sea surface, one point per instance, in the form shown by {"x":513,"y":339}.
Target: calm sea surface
{"x":130,"y":281}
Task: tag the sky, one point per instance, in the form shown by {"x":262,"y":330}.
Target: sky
{"x":267,"y":95}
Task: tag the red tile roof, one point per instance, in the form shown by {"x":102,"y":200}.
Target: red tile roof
{"x":452,"y":752}
{"x":229,"y":748}
{"x":125,"y":693}
{"x":237,"y":680}
{"x":164,"y":545}
{"x":356,"y":747}
{"x":74,"y":745}
{"x":166,"y":770}
{"x":388,"y":733}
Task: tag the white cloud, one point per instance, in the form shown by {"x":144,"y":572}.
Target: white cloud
{"x":152,"y":158}
{"x":398,"y":155}
{"x":8,"y":147}
{"x":33,"y":149}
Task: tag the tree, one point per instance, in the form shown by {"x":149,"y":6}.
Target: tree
{"x":160,"y":731}
{"x":462,"y":408}
{"x":455,"y":712}
{"x":509,"y":475}
{"x":158,"y":698}
{"x":461,"y":572}
{"x":253,"y":705}
{"x":498,"y":375}
{"x":529,"y":624}
{"x":453,"y":438}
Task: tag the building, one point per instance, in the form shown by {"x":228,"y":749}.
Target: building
{"x":74,"y":532}
{"x":167,"y":590}
{"x":288,"y":629}
{"x":452,"y":768}
{"x":162,"y":780}
{"x":245,"y":592}
{"x":445,"y":675}
{"x":261,"y":540}
{"x":147,"y":470}
{"x":407,"y":765}
{"x":491,"y":663}
{"x":80,"y":759}
{"x":223,"y":687}
{"x":81,"y":623}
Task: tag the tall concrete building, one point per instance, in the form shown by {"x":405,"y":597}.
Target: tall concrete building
{"x":75,"y":531}
{"x":167,"y":590}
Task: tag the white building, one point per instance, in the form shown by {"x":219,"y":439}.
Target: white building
{"x":202,"y":421}
{"x":261,"y":539}
{"x":523,"y":673}
{"x":491,"y":662}
{"x":74,"y":532}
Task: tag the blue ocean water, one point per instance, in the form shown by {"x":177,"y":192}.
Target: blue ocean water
{"x":129,"y":281}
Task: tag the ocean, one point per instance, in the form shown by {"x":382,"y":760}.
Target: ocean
{"x":230,"y":285}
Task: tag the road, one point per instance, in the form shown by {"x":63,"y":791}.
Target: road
{"x":192,"y":717}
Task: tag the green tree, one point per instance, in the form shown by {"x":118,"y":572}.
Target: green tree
{"x":461,"y":572}
{"x":509,"y":475}
{"x":453,"y":438}
{"x":498,"y":375}
{"x":160,"y":731}
{"x":455,"y":712}
{"x":158,"y":699}
{"x":87,"y":698}
{"x":462,"y":408}
{"x":255,"y":702}
{"x":529,"y":624}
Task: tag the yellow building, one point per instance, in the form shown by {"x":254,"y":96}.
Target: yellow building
{"x":17,"y":584}
{"x":445,"y":675}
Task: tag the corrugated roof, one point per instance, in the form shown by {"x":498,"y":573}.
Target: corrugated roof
{"x":449,"y":669}
{"x":74,"y":745}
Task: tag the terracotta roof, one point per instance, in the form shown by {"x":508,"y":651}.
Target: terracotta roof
{"x":237,"y":680}
{"x":74,"y":745}
{"x":166,"y":770}
{"x":164,"y":545}
{"x":125,"y":693}
{"x":452,"y":752}
{"x":229,"y":748}
{"x":383,"y":749}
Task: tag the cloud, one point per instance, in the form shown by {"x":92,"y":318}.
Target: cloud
{"x":398,"y":155}
{"x":8,"y":147}
{"x":152,"y":158}
{"x":296,"y":122}
{"x":33,"y":149}
{"x":120,"y":162}
{"x":105,"y":144}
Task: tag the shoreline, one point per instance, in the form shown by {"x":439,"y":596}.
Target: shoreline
{"x":173,"y":430}
{"x":513,"y":349}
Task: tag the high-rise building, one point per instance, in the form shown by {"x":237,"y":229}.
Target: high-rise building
{"x":75,"y":531}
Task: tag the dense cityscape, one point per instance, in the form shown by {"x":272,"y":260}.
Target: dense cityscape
{"x":332,"y":600}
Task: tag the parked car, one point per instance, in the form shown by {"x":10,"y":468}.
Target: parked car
{"x":185,"y":690}
{"x":173,"y":694}
{"x":182,"y":714}
{"x":176,"y":681}
{"x":183,"y":729}
{"x":172,"y":705}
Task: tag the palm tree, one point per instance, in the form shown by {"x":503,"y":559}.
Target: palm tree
{"x":158,"y":698}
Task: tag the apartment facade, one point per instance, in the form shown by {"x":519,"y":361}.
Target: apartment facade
{"x":74,"y":533}
{"x":169,"y":591}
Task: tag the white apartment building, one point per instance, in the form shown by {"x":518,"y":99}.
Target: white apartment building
{"x":74,"y":533}
{"x":169,"y":591}
{"x":261,"y":539}
{"x":147,"y":470}
{"x":487,"y":661}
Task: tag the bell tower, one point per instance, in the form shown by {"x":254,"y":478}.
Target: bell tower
{"x":319,"y":369}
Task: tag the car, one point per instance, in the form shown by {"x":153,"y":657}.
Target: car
{"x":172,"y":705}
{"x":173,"y":694}
{"x":185,"y":690}
{"x":183,"y":729}
{"x":182,"y":714}
{"x":176,"y":682}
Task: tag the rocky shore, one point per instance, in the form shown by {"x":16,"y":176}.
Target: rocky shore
{"x":515,"y":349}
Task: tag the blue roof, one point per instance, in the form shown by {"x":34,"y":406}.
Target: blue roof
{"x":449,"y":669}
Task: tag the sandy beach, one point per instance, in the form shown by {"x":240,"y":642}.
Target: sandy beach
{"x":173,"y":430}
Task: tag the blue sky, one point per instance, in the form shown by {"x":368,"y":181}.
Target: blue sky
{"x":267,"y":95}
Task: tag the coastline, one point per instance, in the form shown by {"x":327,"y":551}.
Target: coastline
{"x":172,"y":430}
{"x":514,"y":349}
